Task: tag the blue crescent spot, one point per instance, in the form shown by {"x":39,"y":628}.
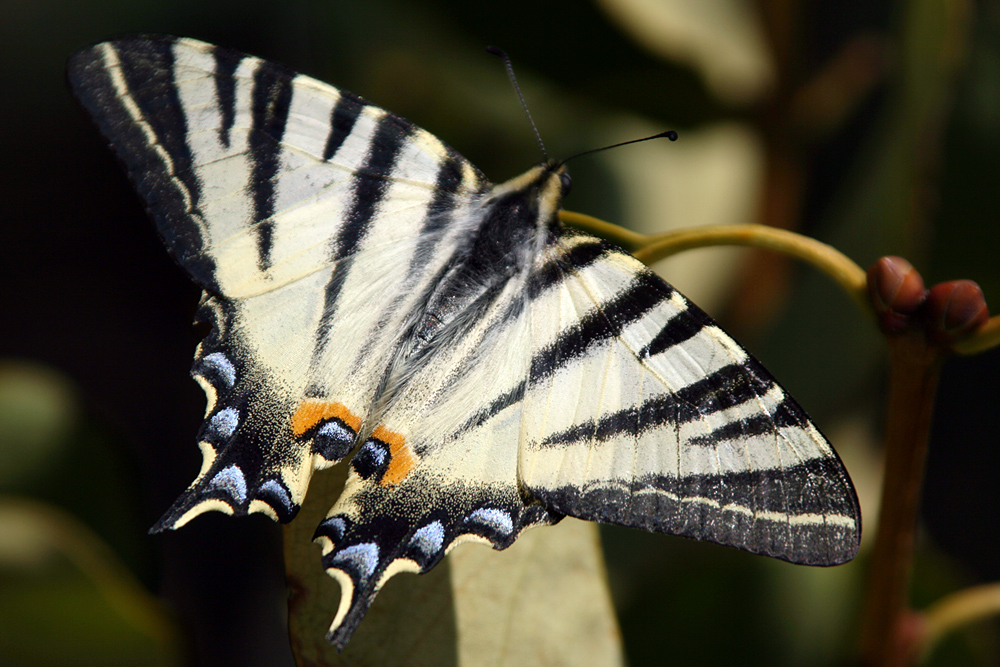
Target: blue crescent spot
{"x":231,"y":481}
{"x":363,"y":557}
{"x":429,"y":538}
{"x":219,"y":362}
{"x":337,"y":526}
{"x":376,"y":451}
{"x":276,"y":490}
{"x":224,"y":422}
{"x":336,"y":431}
{"x":496,"y":519}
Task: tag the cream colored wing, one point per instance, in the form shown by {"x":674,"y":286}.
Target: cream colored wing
{"x":314,"y":220}
{"x":641,"y":411}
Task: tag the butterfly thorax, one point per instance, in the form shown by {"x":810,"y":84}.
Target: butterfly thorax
{"x":517,"y":219}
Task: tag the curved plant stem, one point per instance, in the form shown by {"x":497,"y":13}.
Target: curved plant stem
{"x":986,"y":336}
{"x":954,"y":610}
{"x":834,"y":263}
{"x":829,"y":260}
{"x":625,"y":238}
{"x":649,"y":249}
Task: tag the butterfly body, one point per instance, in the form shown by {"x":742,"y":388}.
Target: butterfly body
{"x":373,"y":297}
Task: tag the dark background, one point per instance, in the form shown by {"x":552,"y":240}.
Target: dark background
{"x":880,"y":134}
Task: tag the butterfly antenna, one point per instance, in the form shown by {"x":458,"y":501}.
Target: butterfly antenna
{"x":499,"y":53}
{"x":669,"y":134}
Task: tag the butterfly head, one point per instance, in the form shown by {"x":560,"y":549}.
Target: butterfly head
{"x":537,"y":193}
{"x":555,"y":181}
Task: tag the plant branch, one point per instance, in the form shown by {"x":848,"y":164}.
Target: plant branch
{"x":626,"y":238}
{"x":652,"y":248}
{"x":915,"y":369}
{"x":986,"y":337}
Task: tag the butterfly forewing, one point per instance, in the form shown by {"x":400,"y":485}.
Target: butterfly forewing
{"x":299,"y":208}
{"x":369,"y":291}
{"x":642,"y":412}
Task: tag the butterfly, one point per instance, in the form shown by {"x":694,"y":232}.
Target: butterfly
{"x":373,"y":297}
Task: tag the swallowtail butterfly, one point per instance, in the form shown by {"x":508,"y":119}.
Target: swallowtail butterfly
{"x":373,"y":297}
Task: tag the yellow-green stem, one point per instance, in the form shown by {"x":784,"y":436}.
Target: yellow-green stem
{"x":620,"y":236}
{"x":649,"y":249}
{"x":986,"y":336}
{"x":971,"y":604}
{"x":850,"y":276}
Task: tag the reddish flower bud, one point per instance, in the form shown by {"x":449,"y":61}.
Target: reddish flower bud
{"x":897,"y":291}
{"x":954,"y":310}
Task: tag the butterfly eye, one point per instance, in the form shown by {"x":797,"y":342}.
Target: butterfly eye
{"x":567,"y":183}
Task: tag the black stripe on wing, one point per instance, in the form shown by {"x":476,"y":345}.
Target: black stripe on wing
{"x":345,"y":115}
{"x":369,"y":186}
{"x":272,"y":97}
{"x":684,"y":326}
{"x":784,"y":415}
{"x":440,"y":216}
{"x":604,"y":322}
{"x":726,"y":388}
{"x":585,"y":251}
{"x":161,"y":166}
{"x":496,"y":406}
{"x":562,"y":261}
{"x":226,"y":62}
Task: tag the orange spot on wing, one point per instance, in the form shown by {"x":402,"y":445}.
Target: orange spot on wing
{"x":312,"y":412}
{"x":401,"y":458}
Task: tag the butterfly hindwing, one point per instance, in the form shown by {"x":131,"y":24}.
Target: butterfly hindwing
{"x":441,"y":467}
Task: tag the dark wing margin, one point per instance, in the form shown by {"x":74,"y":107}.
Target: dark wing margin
{"x":694,"y":438}
{"x":377,"y":531}
{"x":129,"y":90}
{"x":250,"y":456}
